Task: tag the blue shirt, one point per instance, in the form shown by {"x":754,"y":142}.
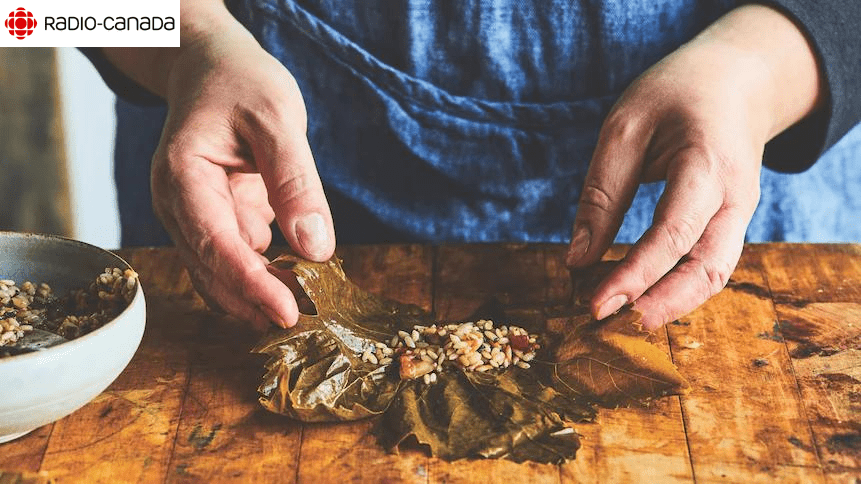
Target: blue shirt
{"x":475,"y":120}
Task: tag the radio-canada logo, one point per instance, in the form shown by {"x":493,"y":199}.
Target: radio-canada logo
{"x":20,"y":23}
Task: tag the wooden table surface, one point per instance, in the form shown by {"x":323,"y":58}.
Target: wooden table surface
{"x":776,"y":383}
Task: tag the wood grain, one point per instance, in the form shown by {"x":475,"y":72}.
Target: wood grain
{"x":223,"y":433}
{"x":821,"y":327}
{"x":776,"y":385}
{"x":744,"y":417}
{"x":25,"y":478}
{"x":26,"y":453}
{"x":799,"y":273}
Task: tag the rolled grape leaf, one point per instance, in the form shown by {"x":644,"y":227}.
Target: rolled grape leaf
{"x":316,"y":373}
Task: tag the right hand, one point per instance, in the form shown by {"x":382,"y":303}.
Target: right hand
{"x":233,"y":156}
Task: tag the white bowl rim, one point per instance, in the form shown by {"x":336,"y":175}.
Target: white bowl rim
{"x":70,"y":345}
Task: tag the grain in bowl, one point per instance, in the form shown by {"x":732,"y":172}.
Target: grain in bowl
{"x":83,"y":310}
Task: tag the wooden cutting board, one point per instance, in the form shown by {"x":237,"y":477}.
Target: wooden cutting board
{"x":774,"y":362}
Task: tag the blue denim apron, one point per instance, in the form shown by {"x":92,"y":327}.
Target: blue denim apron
{"x":475,"y":120}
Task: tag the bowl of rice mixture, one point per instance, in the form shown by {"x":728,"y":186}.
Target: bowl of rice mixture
{"x":86,"y":294}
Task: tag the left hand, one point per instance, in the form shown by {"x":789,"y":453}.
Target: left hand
{"x":698,"y":119}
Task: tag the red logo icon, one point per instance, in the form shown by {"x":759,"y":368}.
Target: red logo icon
{"x":20,"y":23}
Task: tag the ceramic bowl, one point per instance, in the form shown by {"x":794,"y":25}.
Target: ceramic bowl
{"x":41,"y":387}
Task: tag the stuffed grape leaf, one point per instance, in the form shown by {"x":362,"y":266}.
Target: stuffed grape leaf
{"x":315,"y":373}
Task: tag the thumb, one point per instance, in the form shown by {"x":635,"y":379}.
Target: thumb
{"x":283,"y":156}
{"x":608,"y":190}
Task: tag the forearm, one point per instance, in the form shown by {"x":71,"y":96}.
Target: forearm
{"x":789,"y":84}
{"x":150,"y":67}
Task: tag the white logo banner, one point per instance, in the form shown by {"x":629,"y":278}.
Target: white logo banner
{"x":89,"y":23}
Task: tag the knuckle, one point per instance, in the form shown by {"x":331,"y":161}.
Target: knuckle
{"x":295,"y":187}
{"x":271,"y":130}
{"x":206,"y":248}
{"x":270,"y":115}
{"x":596,"y":197}
{"x":716,"y":275}
{"x":703,"y":159}
{"x":260,"y":121}
{"x":679,"y":235}
{"x":221,"y":251}
{"x":622,"y":124}
{"x":709,"y":277}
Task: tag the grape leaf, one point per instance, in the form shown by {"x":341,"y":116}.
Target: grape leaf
{"x":610,"y":363}
{"x":315,"y":373}
{"x":467,"y":414}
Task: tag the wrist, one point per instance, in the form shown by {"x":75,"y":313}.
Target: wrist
{"x":201,"y":21}
{"x":738,"y":81}
{"x":775,"y":61}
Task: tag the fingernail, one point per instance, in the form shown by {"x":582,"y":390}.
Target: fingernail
{"x":579,"y":245}
{"x":273,"y":316}
{"x":312,"y":234}
{"x":611,"y":305}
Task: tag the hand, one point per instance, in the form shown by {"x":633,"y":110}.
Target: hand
{"x":233,"y":156}
{"x":698,"y":119}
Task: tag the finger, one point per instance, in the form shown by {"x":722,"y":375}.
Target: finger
{"x":220,"y":298}
{"x":282,"y":155}
{"x":253,"y":213}
{"x":701,"y":275}
{"x":609,"y":188}
{"x":214,"y":292}
{"x":204,"y":212}
{"x":690,"y":199}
